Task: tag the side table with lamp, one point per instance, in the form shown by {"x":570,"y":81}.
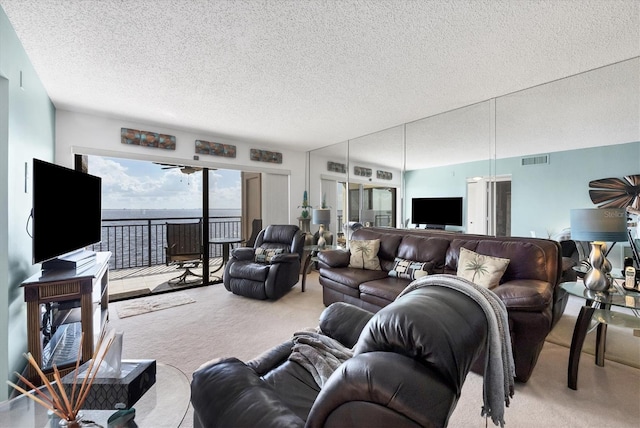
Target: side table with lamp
{"x":598,"y":288}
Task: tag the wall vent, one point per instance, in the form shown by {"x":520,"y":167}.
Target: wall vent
{"x":535,"y":160}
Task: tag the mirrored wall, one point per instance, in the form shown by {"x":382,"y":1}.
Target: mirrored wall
{"x":519,"y":162}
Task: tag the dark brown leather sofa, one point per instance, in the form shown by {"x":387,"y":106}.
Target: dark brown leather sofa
{"x":409,"y":363}
{"x":529,"y":288}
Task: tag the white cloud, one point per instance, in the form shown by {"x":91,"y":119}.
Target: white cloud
{"x":142,"y":185}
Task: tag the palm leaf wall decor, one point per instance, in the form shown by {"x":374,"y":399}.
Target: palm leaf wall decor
{"x":616,"y":192}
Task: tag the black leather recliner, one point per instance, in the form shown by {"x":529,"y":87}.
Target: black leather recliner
{"x":409,"y":364}
{"x":272,"y":277}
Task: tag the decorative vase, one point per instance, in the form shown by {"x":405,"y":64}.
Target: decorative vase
{"x":595,"y":279}
{"x":321,"y":240}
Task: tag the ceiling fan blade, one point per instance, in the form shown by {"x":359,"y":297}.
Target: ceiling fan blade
{"x":608,"y":183}
{"x":610,"y":199}
{"x":634,"y":180}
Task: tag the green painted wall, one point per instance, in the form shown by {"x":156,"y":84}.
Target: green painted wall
{"x":27,"y":130}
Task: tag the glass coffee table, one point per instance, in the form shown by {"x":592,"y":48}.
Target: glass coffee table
{"x":597,"y":314}
{"x":165,"y":404}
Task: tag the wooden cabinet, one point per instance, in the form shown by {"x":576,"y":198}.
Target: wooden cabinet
{"x":63,"y":305}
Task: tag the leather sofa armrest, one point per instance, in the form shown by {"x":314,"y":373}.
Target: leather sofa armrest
{"x":334,"y":258}
{"x":526,"y":295}
{"x":362,"y":392}
{"x":272,"y":358}
{"x":344,"y":322}
{"x":285,"y":258}
{"x":222,"y":391}
{"x":243,"y":253}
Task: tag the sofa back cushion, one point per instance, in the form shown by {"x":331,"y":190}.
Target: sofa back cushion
{"x":527,"y":260}
{"x":424,"y":249}
{"x":388,"y":245}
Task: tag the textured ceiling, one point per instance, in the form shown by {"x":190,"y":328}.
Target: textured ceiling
{"x":306,"y":74}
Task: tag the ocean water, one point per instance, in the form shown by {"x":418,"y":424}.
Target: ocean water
{"x":166,"y":213}
{"x":138,"y":238}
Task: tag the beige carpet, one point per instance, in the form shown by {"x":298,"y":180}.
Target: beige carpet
{"x":220,"y":324}
{"x":145,"y":305}
{"x":622,"y":346}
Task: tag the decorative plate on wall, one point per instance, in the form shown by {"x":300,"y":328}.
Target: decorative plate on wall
{"x":616,"y":192}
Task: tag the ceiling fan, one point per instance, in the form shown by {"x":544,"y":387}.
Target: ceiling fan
{"x":185,"y":169}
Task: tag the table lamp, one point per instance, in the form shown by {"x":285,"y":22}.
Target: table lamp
{"x":322,"y":216}
{"x":599,"y":225}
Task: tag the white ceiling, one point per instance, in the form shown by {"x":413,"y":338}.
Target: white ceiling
{"x":305,"y":74}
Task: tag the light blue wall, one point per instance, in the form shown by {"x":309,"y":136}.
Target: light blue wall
{"x":27,"y":130}
{"x":447,"y":181}
{"x":542,"y":195}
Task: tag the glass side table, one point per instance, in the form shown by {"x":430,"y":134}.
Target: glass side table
{"x":164,"y":404}
{"x":311,"y":252}
{"x":597,"y":313}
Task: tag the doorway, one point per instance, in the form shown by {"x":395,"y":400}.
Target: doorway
{"x":251,"y":201}
{"x":489,"y":205}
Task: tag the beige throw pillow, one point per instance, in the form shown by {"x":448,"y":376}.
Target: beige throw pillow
{"x":364,"y":254}
{"x":482,"y":270}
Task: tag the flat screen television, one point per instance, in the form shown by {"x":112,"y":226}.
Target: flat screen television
{"x":67,"y":211}
{"x":437,"y":213}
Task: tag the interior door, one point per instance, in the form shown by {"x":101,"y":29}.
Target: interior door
{"x":477,"y":207}
{"x":251,"y":200}
{"x":489,"y":206}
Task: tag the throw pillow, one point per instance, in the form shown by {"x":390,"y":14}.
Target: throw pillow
{"x":482,"y":270}
{"x":408,"y":269}
{"x":364,"y":254}
{"x":264,"y":255}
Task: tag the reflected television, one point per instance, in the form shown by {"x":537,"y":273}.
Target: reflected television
{"x":436,"y":213}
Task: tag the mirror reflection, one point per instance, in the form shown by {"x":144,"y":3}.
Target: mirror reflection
{"x":519,"y":162}
{"x":327,"y":175}
{"x":552,"y":140}
{"x":449,"y":156}
{"x":375,"y":178}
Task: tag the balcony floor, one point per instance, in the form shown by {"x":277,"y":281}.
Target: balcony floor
{"x":143,"y":281}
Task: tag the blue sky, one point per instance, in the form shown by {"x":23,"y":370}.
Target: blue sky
{"x":144,"y":185}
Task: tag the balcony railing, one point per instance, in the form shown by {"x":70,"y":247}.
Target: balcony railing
{"x":141,"y":242}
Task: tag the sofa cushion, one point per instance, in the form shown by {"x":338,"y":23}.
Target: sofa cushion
{"x":481,"y":269}
{"x":351,"y":277}
{"x":424,"y":249}
{"x":385,"y":288}
{"x":453,"y":253}
{"x":364,"y":254}
{"x":249,"y":270}
{"x":409,"y":269}
{"x":264,"y":255}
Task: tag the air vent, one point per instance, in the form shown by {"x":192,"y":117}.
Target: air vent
{"x":535,"y":160}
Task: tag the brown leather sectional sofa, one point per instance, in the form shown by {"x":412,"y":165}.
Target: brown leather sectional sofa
{"x":529,"y":287}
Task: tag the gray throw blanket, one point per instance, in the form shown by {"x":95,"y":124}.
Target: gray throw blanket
{"x":320,"y":355}
{"x":499,"y":368}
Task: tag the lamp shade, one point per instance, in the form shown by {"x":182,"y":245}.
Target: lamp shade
{"x":321,"y":216}
{"x":599,"y":224}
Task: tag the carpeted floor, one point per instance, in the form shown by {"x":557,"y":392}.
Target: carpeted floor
{"x":220,"y":324}
{"x":145,"y":305}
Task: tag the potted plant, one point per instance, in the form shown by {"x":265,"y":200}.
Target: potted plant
{"x":305,"y":206}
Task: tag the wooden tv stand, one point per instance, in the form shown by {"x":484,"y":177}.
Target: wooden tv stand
{"x":81,"y":307}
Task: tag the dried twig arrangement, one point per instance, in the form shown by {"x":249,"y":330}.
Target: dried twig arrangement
{"x":58,"y":401}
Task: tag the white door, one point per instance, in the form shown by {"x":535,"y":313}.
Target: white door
{"x":477,"y":207}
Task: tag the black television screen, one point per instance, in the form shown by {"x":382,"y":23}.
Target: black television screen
{"x":67,"y":210}
{"x":437,"y":212}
